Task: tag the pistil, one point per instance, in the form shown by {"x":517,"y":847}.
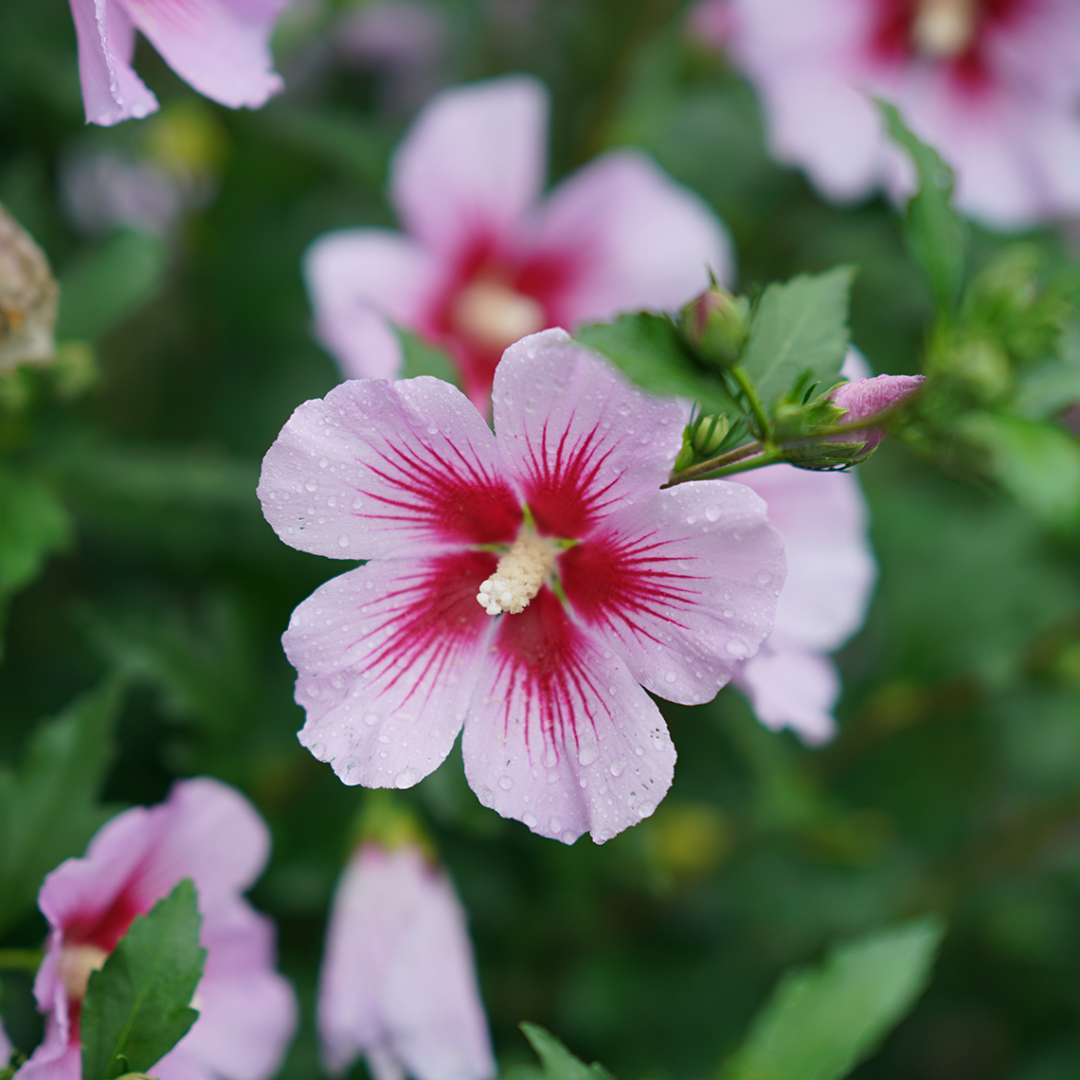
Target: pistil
{"x":519,"y":576}
{"x":944,"y":29}
{"x":493,"y":315}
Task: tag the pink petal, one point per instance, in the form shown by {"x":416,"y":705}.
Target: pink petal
{"x":793,"y":689}
{"x":473,"y":163}
{"x":179,"y":1065}
{"x":637,"y":239}
{"x":209,"y":833}
{"x":581,"y":440}
{"x":398,"y":982}
{"x":220,"y":47}
{"x":682,"y":586}
{"x":111,"y":90}
{"x":5,"y":1046}
{"x":559,"y":735}
{"x":830,"y":568}
{"x":379,"y":469}
{"x":385,"y":658}
{"x":247,"y":1011}
{"x":54,"y":1059}
{"x":359,"y":280}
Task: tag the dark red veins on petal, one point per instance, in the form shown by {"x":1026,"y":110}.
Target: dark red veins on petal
{"x":626,"y":582}
{"x":442,"y":492}
{"x":543,"y":674}
{"x":426,"y":625}
{"x":563,"y":484}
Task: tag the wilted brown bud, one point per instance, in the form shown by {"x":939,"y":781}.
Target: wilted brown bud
{"x":28,"y":298}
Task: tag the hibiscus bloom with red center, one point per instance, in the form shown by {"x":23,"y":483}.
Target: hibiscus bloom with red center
{"x":484,"y":262}
{"x":522,"y":584}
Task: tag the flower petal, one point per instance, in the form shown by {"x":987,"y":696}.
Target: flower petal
{"x":637,"y":239}
{"x":683,"y":586}
{"x":398,"y":974}
{"x":55,"y":1059}
{"x":581,"y":440}
{"x":207,"y":832}
{"x":220,"y":47}
{"x":473,"y":163}
{"x":789,"y":688}
{"x":111,"y":90}
{"x":247,"y":1011}
{"x":830,"y":567}
{"x":358,"y":280}
{"x":384,"y":655}
{"x":559,"y":735}
{"x":387,"y":469}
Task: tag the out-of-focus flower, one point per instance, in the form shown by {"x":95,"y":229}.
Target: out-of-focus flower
{"x":5,"y":1047}
{"x":712,"y":22}
{"x":791,"y":682}
{"x":398,"y":983}
{"x":220,"y":47}
{"x":401,"y":42}
{"x":993,"y":84}
{"x":204,"y":831}
{"x":598,"y":581}
{"x":483,"y":264}
{"x":28,"y":298}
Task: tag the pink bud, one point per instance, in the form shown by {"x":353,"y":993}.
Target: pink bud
{"x":867,"y":397}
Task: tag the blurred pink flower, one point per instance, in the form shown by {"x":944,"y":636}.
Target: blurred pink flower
{"x":483,"y":262}
{"x":712,"y":22}
{"x":220,"y":47}
{"x":605,"y":580}
{"x":398,"y":983}
{"x":5,"y":1047}
{"x":992,"y":84}
{"x":204,"y":831}
{"x":821,"y":516}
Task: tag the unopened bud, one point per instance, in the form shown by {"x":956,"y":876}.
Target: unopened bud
{"x":716,"y":325}
{"x":859,"y":399}
{"x":981,"y":368}
{"x":28,"y":298}
{"x":709,"y":434}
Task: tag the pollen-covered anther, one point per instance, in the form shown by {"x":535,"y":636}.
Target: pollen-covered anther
{"x":519,"y":576}
{"x":944,"y":28}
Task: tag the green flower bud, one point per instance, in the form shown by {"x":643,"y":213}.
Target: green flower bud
{"x":715,"y":325}
{"x":709,"y":434}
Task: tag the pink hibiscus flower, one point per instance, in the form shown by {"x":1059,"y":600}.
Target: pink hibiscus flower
{"x":993,"y":84}
{"x":398,"y":983}
{"x":220,"y":47}
{"x":204,"y":831}
{"x":590,"y":581}
{"x":483,"y":263}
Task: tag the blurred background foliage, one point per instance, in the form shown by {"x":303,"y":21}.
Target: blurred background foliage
{"x":128,"y":473}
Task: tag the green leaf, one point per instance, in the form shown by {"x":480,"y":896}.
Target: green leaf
{"x":138,"y":1006}
{"x":1053,"y":384}
{"x":799,"y":334}
{"x":420,"y":358}
{"x":104,"y":288}
{"x":648,"y":350}
{"x":1037,"y":463}
{"x":48,"y":809}
{"x":936,"y":234}
{"x":33,"y":525}
{"x":558,"y":1063}
{"x":821,"y":1022}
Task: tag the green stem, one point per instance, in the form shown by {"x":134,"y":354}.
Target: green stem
{"x":709,"y":470}
{"x":20,"y":959}
{"x":705,"y":468}
{"x":746,"y":385}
